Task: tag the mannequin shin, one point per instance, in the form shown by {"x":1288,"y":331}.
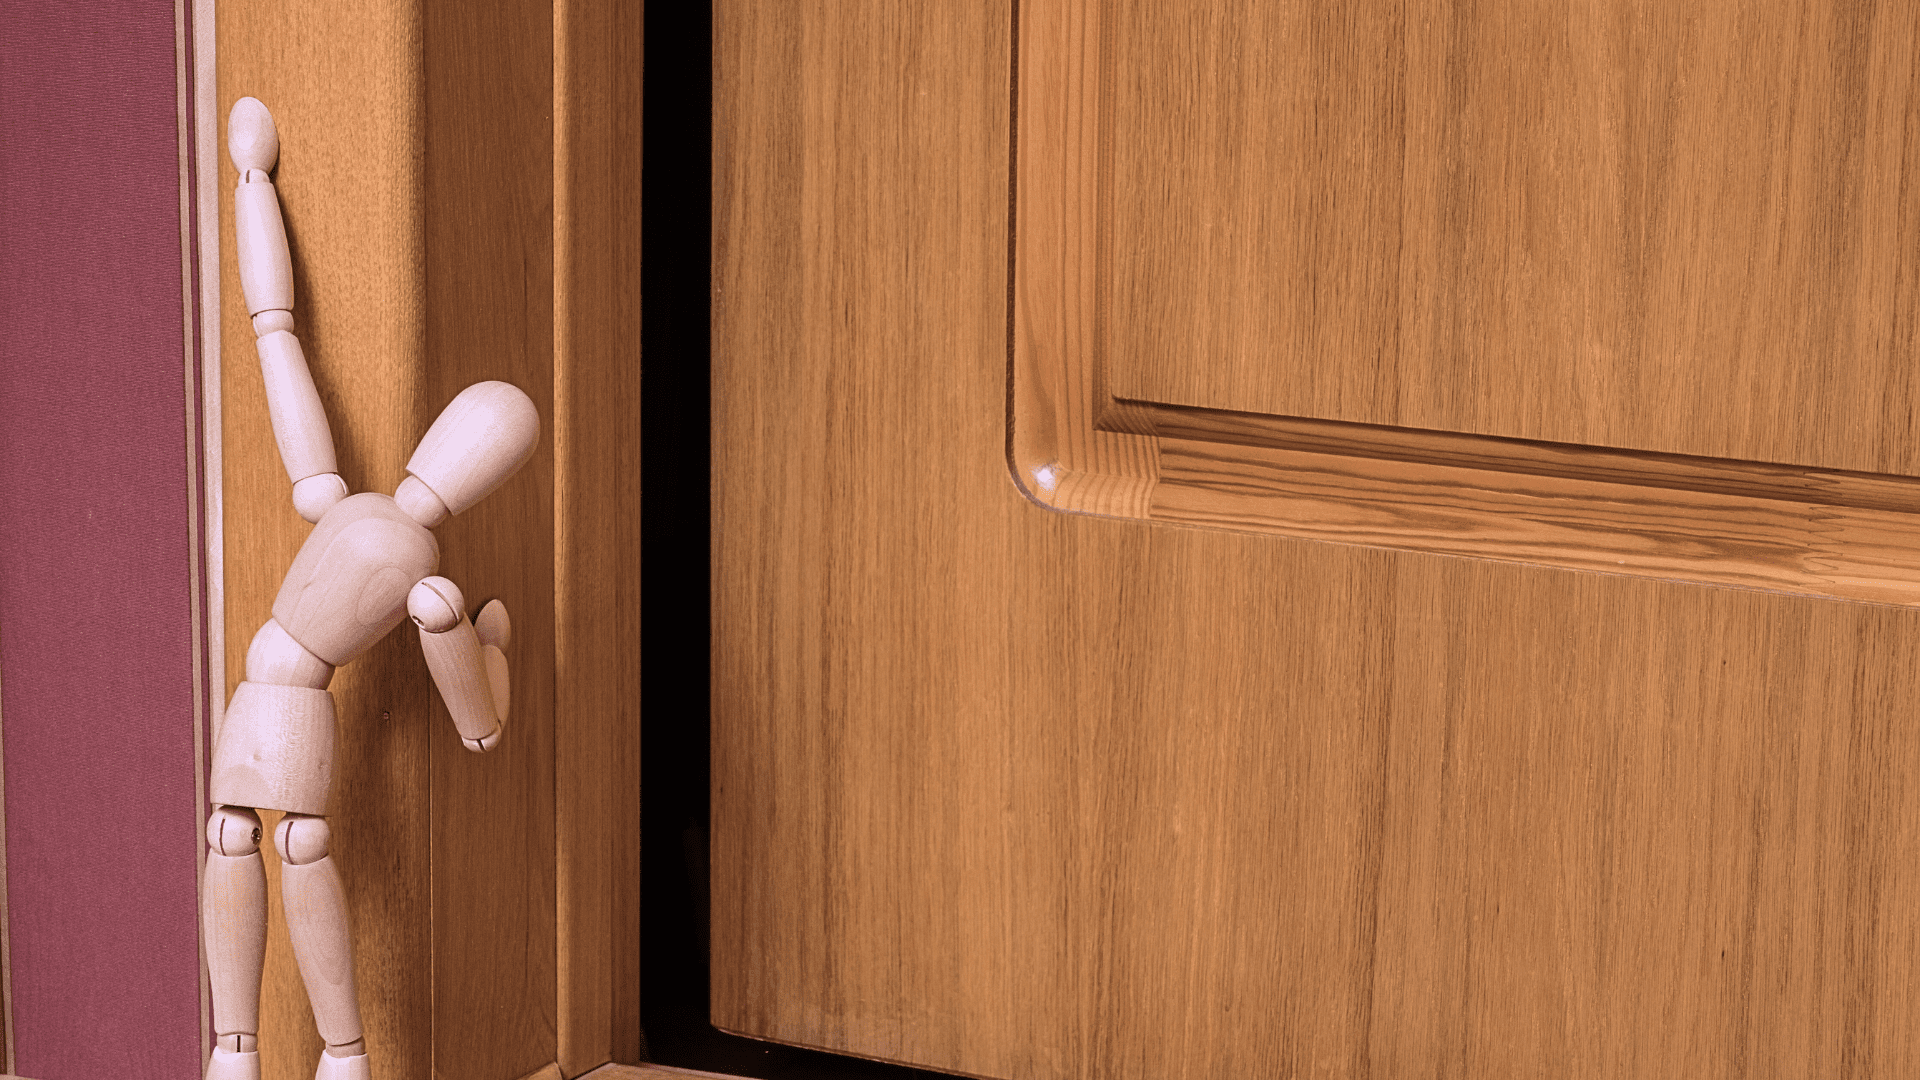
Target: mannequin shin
{"x":316,"y":904}
{"x":233,"y":911}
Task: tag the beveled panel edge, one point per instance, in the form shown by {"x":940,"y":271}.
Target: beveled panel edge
{"x":1706,"y":538}
{"x":1598,"y":464}
{"x":1074,"y":448}
{"x":1058,"y":455}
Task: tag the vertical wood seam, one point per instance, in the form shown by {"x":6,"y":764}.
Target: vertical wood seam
{"x":596,"y":573}
{"x":578,"y":1037}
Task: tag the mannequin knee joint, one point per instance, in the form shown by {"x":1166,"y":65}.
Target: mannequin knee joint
{"x":301,"y":839}
{"x":233,"y":830}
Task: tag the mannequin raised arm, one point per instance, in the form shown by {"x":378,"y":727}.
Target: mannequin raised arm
{"x":266,"y":277}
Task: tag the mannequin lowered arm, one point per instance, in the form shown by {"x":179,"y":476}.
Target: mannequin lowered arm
{"x":266,"y":277}
{"x":467,"y":659}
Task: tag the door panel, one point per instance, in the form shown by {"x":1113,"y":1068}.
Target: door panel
{"x":1656,"y":227}
{"x":1019,"y":793}
{"x":1090,"y":264}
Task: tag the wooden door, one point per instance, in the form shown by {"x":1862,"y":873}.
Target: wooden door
{"x":1318,"y":539}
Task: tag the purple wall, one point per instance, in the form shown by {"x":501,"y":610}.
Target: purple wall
{"x":96,"y":657}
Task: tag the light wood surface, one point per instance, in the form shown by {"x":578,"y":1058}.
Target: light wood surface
{"x":494,"y":629}
{"x":1606,"y":223}
{"x":1024,"y":794}
{"x":234,"y":917}
{"x":279,"y":751}
{"x":483,"y":436}
{"x":415,"y":177}
{"x":460,"y":672}
{"x":596,"y":439}
{"x":274,"y":657}
{"x":316,"y":905}
{"x":1088,"y":434}
{"x":266,"y":277}
{"x":347,"y":587}
{"x":302,"y":431}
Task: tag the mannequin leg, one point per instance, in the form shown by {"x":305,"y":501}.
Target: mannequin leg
{"x":316,"y":904}
{"x":233,"y":916}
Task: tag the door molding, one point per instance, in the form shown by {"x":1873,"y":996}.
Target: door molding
{"x":1075,"y":446}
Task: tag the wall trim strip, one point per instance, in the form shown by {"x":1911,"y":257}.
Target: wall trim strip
{"x":198,"y":124}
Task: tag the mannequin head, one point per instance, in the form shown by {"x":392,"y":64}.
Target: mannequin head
{"x":482,"y":437}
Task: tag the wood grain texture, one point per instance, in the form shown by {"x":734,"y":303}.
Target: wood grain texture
{"x":1608,"y":223}
{"x":1064,"y":458}
{"x":1677,"y":534}
{"x":598,"y":47}
{"x":343,"y":83}
{"x":416,"y":179}
{"x":1023,"y":794}
{"x":1596,"y":464}
{"x":460,"y":674}
{"x":1298,"y":265}
{"x":488,"y":254}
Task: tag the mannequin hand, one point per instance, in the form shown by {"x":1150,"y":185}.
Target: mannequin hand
{"x":494,"y":630}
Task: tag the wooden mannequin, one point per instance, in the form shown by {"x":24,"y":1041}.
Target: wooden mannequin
{"x":369,"y":560}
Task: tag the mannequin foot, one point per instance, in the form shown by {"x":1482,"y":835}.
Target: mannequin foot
{"x":343,"y":1068}
{"x":230,"y":1065}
